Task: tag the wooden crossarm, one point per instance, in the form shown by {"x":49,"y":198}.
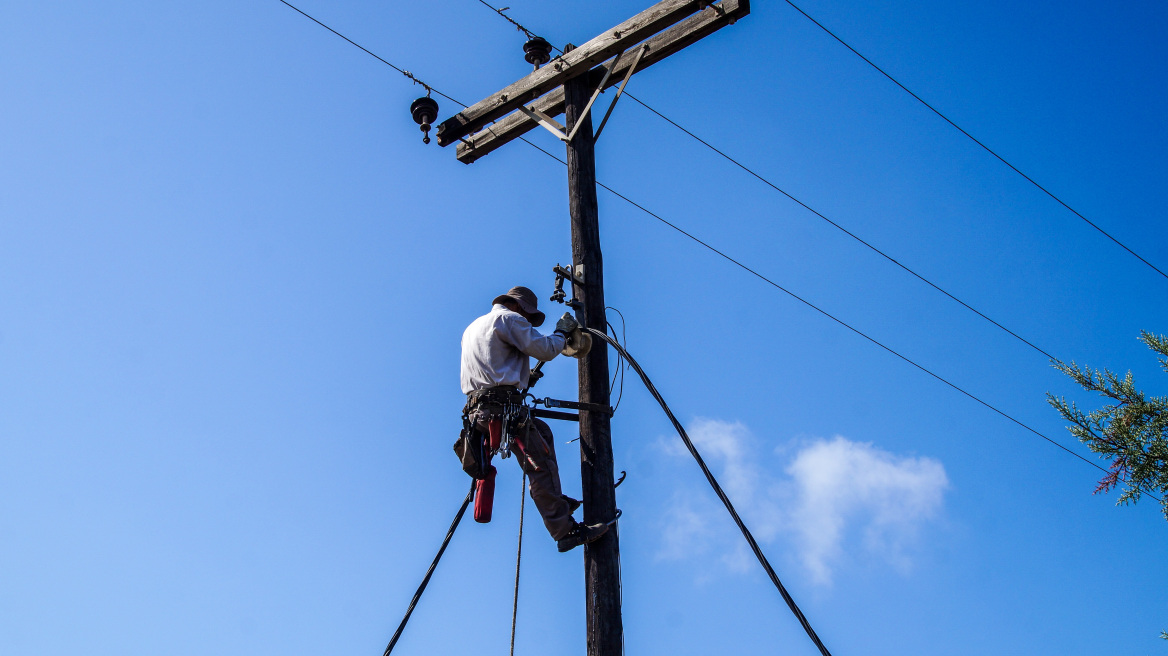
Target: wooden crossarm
{"x":555,"y":73}
{"x":661,"y":46}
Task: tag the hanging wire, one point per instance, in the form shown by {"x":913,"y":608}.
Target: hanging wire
{"x":619,"y":373}
{"x":839,"y":227}
{"x":762,"y":559}
{"x":430,"y":572}
{"x":518,"y":558}
{"x":528,"y":33}
{"x":975,"y":140}
{"x":746,"y":268}
{"x":837,"y":320}
{"x":404,"y":72}
{"x":621,"y":365}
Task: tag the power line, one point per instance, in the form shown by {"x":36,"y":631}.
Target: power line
{"x":975,"y":140}
{"x":373,"y":55}
{"x":833,"y":223}
{"x":840,"y":227}
{"x":526,"y":32}
{"x":828,"y":314}
{"x":742,"y":266}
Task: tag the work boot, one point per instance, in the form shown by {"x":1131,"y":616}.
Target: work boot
{"x":573,"y":504}
{"x":581,"y":534}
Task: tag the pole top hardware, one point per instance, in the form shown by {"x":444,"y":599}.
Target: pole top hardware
{"x":575,"y":274}
{"x":644,"y":25}
{"x":424,"y":110}
{"x":539,"y":97}
{"x":537,"y":51}
{"x":562,"y":274}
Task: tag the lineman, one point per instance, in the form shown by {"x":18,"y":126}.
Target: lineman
{"x":495,"y":372}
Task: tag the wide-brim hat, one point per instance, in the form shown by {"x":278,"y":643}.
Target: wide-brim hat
{"x":527,"y":302}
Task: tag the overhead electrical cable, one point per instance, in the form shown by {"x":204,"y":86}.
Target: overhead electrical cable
{"x":976,"y":140}
{"x":752,"y":271}
{"x":372,"y":54}
{"x":841,"y":228}
{"x":762,"y":559}
{"x":817,"y":213}
{"x":830,"y":316}
{"x":526,"y":32}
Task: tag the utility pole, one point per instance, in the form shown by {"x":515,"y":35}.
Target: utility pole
{"x":601,"y":558}
{"x":570,"y":84}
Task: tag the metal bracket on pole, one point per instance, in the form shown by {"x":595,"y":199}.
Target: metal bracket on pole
{"x":575,"y":274}
{"x":546,"y":121}
{"x":575,"y":405}
{"x":621,"y":89}
{"x":554,"y":126}
{"x":599,"y":88}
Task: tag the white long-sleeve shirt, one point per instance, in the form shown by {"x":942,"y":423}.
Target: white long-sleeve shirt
{"x":496,"y":346}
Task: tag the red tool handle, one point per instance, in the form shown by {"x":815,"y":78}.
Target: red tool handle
{"x":485,"y":488}
{"x":485,"y":497}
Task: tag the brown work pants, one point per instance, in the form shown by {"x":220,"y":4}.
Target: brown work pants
{"x":535,"y":451}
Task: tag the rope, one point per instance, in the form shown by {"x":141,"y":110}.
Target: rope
{"x":718,"y":490}
{"x":518,"y":557}
{"x":426,"y":579}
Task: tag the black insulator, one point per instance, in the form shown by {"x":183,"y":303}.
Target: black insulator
{"x":537,"y":51}
{"x":424,"y":111}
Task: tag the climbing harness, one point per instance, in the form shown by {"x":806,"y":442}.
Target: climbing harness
{"x":506,"y":416}
{"x":514,"y":420}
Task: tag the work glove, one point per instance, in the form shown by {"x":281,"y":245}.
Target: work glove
{"x":566,"y":324}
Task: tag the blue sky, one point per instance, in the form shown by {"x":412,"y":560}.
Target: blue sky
{"x":233,"y":282}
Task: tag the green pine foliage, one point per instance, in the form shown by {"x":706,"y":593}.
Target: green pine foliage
{"x":1130,"y":430}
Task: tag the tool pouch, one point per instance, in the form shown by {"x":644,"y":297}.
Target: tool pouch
{"x":471,"y":449}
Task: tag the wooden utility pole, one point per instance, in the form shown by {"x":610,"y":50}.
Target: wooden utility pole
{"x":570,"y":84}
{"x":601,"y":558}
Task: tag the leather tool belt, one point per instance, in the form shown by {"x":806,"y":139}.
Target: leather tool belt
{"x":493,"y":399}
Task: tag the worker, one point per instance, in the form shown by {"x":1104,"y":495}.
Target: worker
{"x":495,"y":372}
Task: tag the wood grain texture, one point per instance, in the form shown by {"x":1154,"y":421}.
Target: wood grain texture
{"x":601,"y":558}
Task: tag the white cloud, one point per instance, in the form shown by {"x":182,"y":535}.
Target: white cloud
{"x":840,"y":481}
{"x":832,"y":489}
